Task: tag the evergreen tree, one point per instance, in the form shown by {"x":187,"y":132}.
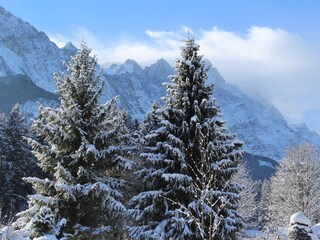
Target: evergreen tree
{"x":189,"y":161}
{"x":17,"y":162}
{"x":153,"y":119}
{"x":3,"y":173}
{"x":84,"y":151}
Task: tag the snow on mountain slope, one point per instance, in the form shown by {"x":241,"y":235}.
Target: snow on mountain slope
{"x":25,"y":50}
{"x":137,"y":87}
{"x":10,"y":63}
{"x":28,"y":58}
{"x":259,"y":124}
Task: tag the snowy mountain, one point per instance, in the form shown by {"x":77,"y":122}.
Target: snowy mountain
{"x":259,"y":124}
{"x":137,"y":87}
{"x":26,"y":51}
{"x":28,"y":58}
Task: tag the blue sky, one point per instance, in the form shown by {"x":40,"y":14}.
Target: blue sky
{"x":269,"y":48}
{"x":110,"y":19}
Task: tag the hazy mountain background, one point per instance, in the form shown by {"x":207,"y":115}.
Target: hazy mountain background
{"x":28,"y":58}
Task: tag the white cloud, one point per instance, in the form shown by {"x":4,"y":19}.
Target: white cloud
{"x":58,"y":39}
{"x":278,"y":65}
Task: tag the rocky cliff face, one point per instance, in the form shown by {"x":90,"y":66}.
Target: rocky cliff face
{"x":28,"y":58}
{"x":259,"y":124}
{"x":26,"y":51}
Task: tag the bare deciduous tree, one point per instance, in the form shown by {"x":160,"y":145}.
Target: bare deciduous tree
{"x":295,"y":186}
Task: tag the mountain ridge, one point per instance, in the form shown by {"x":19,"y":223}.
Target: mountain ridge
{"x":25,"y":51}
{"x":258,"y":123}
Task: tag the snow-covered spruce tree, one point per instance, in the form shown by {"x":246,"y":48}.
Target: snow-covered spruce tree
{"x":3,"y":173}
{"x":17,"y":162}
{"x":189,"y":161}
{"x":295,"y":186}
{"x":248,"y":204}
{"x":83,"y":150}
{"x":152,"y":120}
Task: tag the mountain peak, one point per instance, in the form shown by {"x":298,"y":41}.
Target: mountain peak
{"x":70,"y":47}
{"x":5,"y":13}
{"x":13,"y":26}
{"x":129,"y":66}
{"x":2,"y":10}
{"x":160,"y":66}
{"x":131,"y":62}
{"x":162,"y":61}
{"x":28,"y":51}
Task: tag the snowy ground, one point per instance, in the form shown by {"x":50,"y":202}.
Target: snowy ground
{"x":7,"y":233}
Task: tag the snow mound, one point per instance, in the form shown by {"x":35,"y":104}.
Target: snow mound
{"x":47,"y":237}
{"x":300,"y":218}
{"x":9,"y":233}
{"x":316,"y":229}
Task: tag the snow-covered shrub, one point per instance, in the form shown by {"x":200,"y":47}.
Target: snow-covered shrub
{"x":300,"y":227}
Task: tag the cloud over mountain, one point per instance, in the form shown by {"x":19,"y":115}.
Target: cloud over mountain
{"x":273,"y":63}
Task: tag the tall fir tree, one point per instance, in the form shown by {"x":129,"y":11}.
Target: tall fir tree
{"x":17,"y":162}
{"x":189,"y":161}
{"x":84,"y":152}
{"x":3,"y":172}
